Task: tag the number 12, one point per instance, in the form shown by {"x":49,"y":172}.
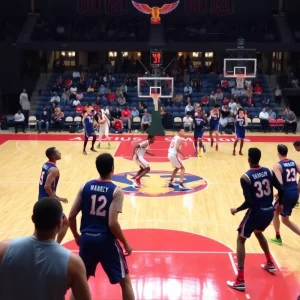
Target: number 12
{"x":100,"y":211}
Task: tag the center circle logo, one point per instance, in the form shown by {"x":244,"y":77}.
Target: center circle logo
{"x":155,"y":184}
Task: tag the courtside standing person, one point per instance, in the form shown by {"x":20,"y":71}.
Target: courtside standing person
{"x":37,"y":267}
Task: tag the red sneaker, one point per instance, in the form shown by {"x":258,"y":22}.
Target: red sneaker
{"x":237,"y":285}
{"x":138,"y":180}
{"x":269,"y":267}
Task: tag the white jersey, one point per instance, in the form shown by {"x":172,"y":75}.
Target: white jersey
{"x":144,"y":146}
{"x":174,"y":143}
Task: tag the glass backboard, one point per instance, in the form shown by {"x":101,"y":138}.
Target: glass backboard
{"x":147,"y":86}
{"x":233,"y":67}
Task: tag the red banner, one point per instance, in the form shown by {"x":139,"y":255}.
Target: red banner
{"x":222,"y":7}
{"x":89,"y":7}
{"x":195,"y":7}
{"x":115,"y":7}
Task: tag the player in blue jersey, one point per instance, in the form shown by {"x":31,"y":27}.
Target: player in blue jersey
{"x":88,"y":124}
{"x":48,"y":183}
{"x":214,"y":119}
{"x":257,"y":185}
{"x":100,"y":202}
{"x":286,"y":171}
{"x":240,"y":129}
{"x":296,"y":145}
{"x":199,"y":123}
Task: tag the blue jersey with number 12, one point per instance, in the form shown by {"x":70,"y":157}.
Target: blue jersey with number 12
{"x":261,"y":187}
{"x":44,"y":175}
{"x":97,"y":196}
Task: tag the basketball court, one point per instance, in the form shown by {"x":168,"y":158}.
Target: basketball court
{"x":184,"y":242}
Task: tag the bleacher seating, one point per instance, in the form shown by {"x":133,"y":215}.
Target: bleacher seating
{"x":90,"y":29}
{"x":223,"y":30}
{"x":209,"y":83}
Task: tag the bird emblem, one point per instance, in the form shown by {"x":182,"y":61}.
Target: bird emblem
{"x":155,"y":11}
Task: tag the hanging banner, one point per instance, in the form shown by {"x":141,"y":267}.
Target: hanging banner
{"x":89,"y":7}
{"x":115,"y":7}
{"x":195,"y":7}
{"x":222,"y":7}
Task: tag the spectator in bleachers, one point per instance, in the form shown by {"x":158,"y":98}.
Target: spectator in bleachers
{"x":231,"y":83}
{"x":264,"y":119}
{"x":205,"y":100}
{"x":105,"y":111}
{"x":234,"y":91}
{"x":188,"y":91}
{"x":126,"y":118}
{"x":54,"y":88}
{"x":43,"y":121}
{"x":225,"y":101}
{"x":218,"y":89}
{"x":265,"y":101}
{"x":111,"y":80}
{"x":25,"y":104}
{"x":79,"y":95}
{"x":290,"y":121}
{"x":58,"y":120}
{"x":188,"y":123}
{"x":81,"y":85}
{"x":223,"y":124}
{"x":123,"y":89}
{"x":120,"y":97}
{"x":116,"y":114}
{"x":146,"y":121}
{"x":272,"y":114}
{"x":19,"y":121}
{"x":76,"y":75}
{"x":90,"y":89}
{"x":134,"y":112}
{"x":116,"y":126}
{"x":248,"y":92}
{"x":107,"y":90}
{"x":232,"y":107}
{"x":250,"y":102}
{"x":73,"y":90}
{"x":224,"y":85}
{"x":141,"y":108}
{"x":55,"y":98}
{"x":76,"y":102}
{"x":65,"y":97}
{"x":101,"y":91}
{"x":186,"y":77}
{"x":278,"y":95}
{"x":213,"y":98}
{"x":258,"y":90}
{"x":248,"y":83}
{"x":219,"y":96}
{"x":59,"y":82}
{"x":238,"y":106}
{"x":189,"y":108}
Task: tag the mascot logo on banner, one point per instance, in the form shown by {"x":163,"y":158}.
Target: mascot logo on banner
{"x":155,"y":184}
{"x":155,"y":11}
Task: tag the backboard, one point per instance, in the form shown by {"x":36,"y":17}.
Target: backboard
{"x":147,"y":86}
{"x":233,"y":67}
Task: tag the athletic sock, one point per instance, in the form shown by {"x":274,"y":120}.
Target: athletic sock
{"x":269,"y":258}
{"x":240,"y":276}
{"x":278,"y":235}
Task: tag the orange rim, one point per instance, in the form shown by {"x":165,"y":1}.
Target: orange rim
{"x":155,"y":96}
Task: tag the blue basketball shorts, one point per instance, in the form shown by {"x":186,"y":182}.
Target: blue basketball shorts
{"x":213,"y":127}
{"x":106,"y":250}
{"x":240,"y":134}
{"x":290,"y":200}
{"x":259,"y":219}
{"x":198,"y":134}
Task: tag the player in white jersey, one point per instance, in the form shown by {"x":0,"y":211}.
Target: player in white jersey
{"x":174,"y":150}
{"x":139,"y":152}
{"x":102,"y":123}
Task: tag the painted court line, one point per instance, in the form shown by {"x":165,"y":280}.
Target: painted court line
{"x":232,"y":263}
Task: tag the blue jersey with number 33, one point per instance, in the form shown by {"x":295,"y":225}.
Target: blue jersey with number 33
{"x":289,"y":175}
{"x":44,"y":175}
{"x":261,"y":187}
{"x":97,"y":196}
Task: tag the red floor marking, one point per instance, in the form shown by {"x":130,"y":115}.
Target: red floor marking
{"x":172,"y":264}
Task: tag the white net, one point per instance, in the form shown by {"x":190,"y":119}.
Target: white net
{"x":155,"y":98}
{"x":240,"y":82}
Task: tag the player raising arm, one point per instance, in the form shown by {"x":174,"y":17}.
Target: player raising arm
{"x":48,"y":183}
{"x":176,"y":162}
{"x":257,"y":185}
{"x":100,"y":202}
{"x":286,"y":172}
{"x":139,"y":152}
{"x":241,"y":122}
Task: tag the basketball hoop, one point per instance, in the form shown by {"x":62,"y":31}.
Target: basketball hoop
{"x":240,"y":78}
{"x":155,"y":98}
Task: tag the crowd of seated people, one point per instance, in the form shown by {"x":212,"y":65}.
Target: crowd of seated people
{"x":10,"y":28}
{"x":223,"y":30}
{"x":89,"y":29}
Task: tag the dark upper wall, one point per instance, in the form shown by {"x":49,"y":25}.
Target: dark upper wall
{"x":14,"y":7}
{"x":186,"y":7}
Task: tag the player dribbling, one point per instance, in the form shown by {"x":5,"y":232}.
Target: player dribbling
{"x":241,"y":123}
{"x":139,"y":152}
{"x":176,"y":162}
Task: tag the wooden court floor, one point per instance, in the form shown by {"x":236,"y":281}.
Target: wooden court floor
{"x":205,"y":212}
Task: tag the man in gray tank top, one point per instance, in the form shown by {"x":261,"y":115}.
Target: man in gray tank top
{"x":37,"y":267}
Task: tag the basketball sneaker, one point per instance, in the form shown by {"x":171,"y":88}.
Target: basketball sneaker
{"x":171,"y":185}
{"x":93,"y":150}
{"x":135,"y":183}
{"x":237,"y":285}
{"x":233,"y":152}
{"x":204,"y":148}
{"x":200,"y":153}
{"x":138,"y":180}
{"x":99,"y":146}
{"x":297,"y":205}
{"x":109,"y":146}
{"x":269,"y":267}
{"x":183,"y":188}
{"x":276,"y":241}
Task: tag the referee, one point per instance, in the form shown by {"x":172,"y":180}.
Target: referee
{"x":38,"y":268}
